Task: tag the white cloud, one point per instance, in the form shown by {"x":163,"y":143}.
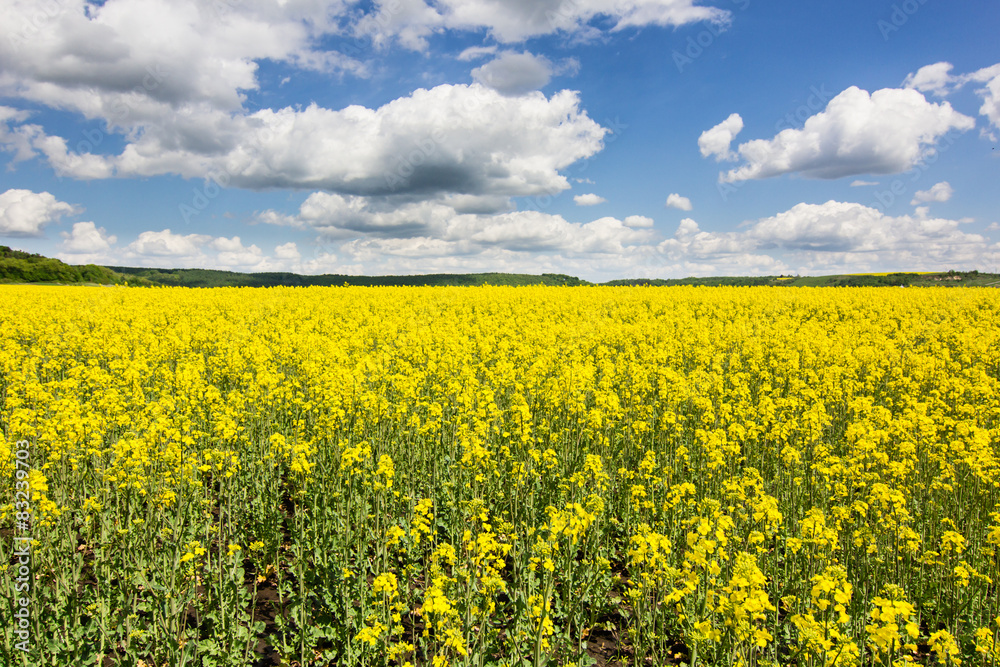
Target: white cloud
{"x":166,"y":244}
{"x":223,"y":244}
{"x":165,"y":249}
{"x":638,"y":222}
{"x":690,"y":240}
{"x":87,"y":238}
{"x":990,"y":93}
{"x":427,"y":237}
{"x":437,"y":226}
{"x":88,"y":57}
{"x":24,"y":213}
{"x":937,"y":79}
{"x":588,"y":199}
{"x":82,"y":166}
{"x":476,"y":52}
{"x":534,"y":231}
{"x":514,"y":21}
{"x":231,"y":253}
{"x":8,"y":114}
{"x":939,"y":192}
{"x":340,"y":216}
{"x":674,"y":200}
{"x":288,"y":251}
{"x":860,"y":184}
{"x":692,"y":251}
{"x":453,"y":138}
{"x":17,"y":140}
{"x":515,"y":73}
{"x":832,"y":237}
{"x":716,"y":141}
{"x":886,"y":132}
{"x":526,"y":241}
{"x":411,"y":22}
{"x":848,"y":227}
{"x":832,"y":227}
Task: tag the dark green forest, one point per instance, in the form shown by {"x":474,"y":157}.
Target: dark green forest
{"x":17,"y":266}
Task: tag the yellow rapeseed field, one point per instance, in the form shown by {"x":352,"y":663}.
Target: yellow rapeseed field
{"x":501,"y":476}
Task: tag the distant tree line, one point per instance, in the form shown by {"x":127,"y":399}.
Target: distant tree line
{"x":17,"y":266}
{"x":213,"y":278}
{"x":737,"y":281}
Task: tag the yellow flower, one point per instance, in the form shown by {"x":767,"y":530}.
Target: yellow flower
{"x":386,"y":584}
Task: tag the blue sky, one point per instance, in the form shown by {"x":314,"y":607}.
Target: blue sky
{"x":599,"y":138}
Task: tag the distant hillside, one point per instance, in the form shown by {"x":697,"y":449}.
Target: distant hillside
{"x":17,"y":266}
{"x":211,"y":278}
{"x":741,"y":281}
{"x":949,"y":279}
